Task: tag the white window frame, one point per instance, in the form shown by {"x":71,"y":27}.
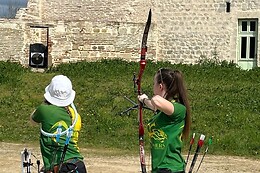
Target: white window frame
{"x":247,"y":34}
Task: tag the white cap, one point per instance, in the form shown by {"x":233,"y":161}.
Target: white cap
{"x":59,"y":92}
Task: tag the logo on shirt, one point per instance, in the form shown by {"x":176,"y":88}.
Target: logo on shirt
{"x":157,"y":135}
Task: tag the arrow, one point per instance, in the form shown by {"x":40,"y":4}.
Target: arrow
{"x":209,"y":143}
{"x":200,"y":144}
{"x":191,"y":143}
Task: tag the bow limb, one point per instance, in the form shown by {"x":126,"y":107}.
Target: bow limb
{"x":138,"y":81}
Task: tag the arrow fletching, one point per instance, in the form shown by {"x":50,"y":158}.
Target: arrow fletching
{"x":209,"y":143}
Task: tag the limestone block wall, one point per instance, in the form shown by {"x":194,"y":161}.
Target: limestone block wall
{"x":91,"y":30}
{"x":11,"y":41}
{"x":189,"y":29}
{"x":181,"y":31}
{"x":82,"y":40}
{"x":134,"y":11}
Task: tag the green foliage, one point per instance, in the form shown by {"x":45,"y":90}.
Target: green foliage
{"x":225,"y":103}
{"x":10,"y":73}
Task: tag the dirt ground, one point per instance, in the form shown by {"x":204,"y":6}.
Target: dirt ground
{"x":10,"y":162}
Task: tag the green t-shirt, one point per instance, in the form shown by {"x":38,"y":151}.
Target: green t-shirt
{"x":165,"y":136}
{"x":51,"y":117}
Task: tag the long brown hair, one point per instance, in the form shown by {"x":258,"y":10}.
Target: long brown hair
{"x":176,"y":89}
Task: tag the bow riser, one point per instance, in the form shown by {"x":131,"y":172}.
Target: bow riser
{"x":138,"y":82}
{"x":142,"y":67}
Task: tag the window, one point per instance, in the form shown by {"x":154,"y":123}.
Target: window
{"x":247,"y":35}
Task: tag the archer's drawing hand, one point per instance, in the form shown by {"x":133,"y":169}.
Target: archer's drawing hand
{"x":142,"y":97}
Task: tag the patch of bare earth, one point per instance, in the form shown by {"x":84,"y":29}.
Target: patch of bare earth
{"x":10,"y":162}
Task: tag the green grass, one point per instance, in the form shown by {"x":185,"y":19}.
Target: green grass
{"x":225,"y":103}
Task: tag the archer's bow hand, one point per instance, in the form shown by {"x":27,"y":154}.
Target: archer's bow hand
{"x":142,"y":98}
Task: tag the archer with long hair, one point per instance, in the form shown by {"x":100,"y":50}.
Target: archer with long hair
{"x":172,"y":121}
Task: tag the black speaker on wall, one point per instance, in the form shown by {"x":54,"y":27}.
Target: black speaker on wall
{"x":38,"y":56}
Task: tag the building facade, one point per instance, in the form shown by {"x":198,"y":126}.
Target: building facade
{"x":182,"y":31}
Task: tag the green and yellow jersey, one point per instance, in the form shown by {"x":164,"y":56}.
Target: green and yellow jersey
{"x":51,"y":117}
{"x":165,"y":136}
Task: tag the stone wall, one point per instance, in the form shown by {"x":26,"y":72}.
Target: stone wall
{"x":189,"y":29}
{"x":12,"y":40}
{"x":182,"y":31}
